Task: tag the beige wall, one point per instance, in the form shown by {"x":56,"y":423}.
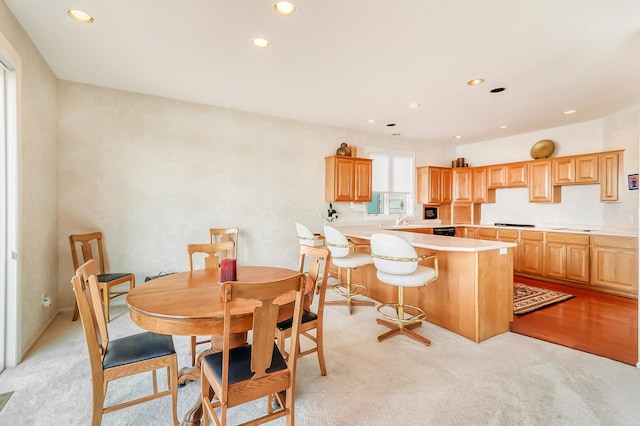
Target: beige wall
{"x":38,"y":180}
{"x":155,"y":174}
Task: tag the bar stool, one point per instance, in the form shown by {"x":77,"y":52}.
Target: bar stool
{"x":397,"y":263}
{"x":306,"y":237}
{"x":344,"y":256}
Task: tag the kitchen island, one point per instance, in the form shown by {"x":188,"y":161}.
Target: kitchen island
{"x":473,"y":295}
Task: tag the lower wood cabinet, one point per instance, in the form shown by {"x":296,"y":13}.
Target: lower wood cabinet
{"x":567,"y":256}
{"x":614,"y":263}
{"x":532,"y":252}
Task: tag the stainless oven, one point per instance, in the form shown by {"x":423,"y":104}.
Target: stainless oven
{"x":430,"y":213}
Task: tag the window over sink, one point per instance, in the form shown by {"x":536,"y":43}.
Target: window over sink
{"x":392,"y":182}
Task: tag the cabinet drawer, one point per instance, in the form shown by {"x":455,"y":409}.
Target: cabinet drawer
{"x":487,"y":233}
{"x":508,"y":233}
{"x":558,"y":237}
{"x":619,"y":242}
{"x":531,"y":235}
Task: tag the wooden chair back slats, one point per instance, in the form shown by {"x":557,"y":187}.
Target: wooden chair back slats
{"x":214,"y":252}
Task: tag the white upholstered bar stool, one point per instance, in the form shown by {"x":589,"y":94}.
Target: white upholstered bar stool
{"x":344,"y":256}
{"x":306,"y":237}
{"x":396,"y":262}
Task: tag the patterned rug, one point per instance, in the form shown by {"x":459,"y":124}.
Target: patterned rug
{"x":527,"y":299}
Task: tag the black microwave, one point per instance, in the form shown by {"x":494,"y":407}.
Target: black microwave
{"x":430,"y":213}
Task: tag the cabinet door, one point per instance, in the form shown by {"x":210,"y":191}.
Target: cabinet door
{"x":338,"y":178}
{"x":462,"y":187}
{"x":609,"y":171}
{"x":471,"y":233}
{"x":446,"y":184}
{"x":480,"y":190}
{"x":578,"y":263}
{"x":429,"y":185}
{"x":556,"y":260}
{"x":531,"y":252}
{"x":517,"y":175}
{"x":541,"y":189}
{"x":614,"y":263}
{"x":586,"y":169}
{"x":564,"y":170}
{"x":497,"y":176}
{"x":362,"y":180}
{"x":511,"y":236}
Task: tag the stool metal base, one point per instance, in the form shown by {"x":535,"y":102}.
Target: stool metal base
{"x":407,"y":317}
{"x":349,"y":290}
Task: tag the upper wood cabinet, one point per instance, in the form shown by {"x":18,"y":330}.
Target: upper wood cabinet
{"x":609,"y":172}
{"x":434,"y":185}
{"x":347,"y":179}
{"x":511,"y":175}
{"x":575,"y":170}
{"x":541,"y":189}
{"x":480,"y":190}
{"x":462,"y":185}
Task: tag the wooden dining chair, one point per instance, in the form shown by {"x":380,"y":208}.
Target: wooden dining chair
{"x":219,"y":235}
{"x":320,"y":259}
{"x":87,"y":245}
{"x":123,"y":357}
{"x":238,"y":375}
{"x":213,"y":254}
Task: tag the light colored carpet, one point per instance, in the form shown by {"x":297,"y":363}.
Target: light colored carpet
{"x":507,"y":380}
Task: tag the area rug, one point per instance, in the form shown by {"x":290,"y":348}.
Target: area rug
{"x":527,"y":298}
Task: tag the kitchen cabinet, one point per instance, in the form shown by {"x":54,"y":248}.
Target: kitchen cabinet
{"x":347,"y":179}
{"x":490,"y":234}
{"x":462,"y":185}
{"x":511,"y":175}
{"x":532,"y":252}
{"x":434,"y":185}
{"x":511,"y":236}
{"x":567,"y":256}
{"x":578,"y":169}
{"x":609,"y":173}
{"x":614,"y":264}
{"x":541,"y":189}
{"x":471,"y":233}
{"x":479,"y":189}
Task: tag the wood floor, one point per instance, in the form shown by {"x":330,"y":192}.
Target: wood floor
{"x":593,"y":322}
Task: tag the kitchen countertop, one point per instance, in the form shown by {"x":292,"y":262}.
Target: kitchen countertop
{"x":571,"y":229}
{"x":428,"y":241}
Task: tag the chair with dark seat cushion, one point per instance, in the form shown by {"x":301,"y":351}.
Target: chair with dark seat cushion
{"x":235,"y":376}
{"x":87,"y":243}
{"x":123,"y":357}
{"x":320,"y":257}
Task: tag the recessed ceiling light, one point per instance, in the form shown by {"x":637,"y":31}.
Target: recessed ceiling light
{"x":457,"y":137}
{"x":414,"y":105}
{"x":497,"y":90}
{"x":475,"y":82}
{"x":371,"y":120}
{"x":80,"y":16}
{"x":396,"y":134}
{"x":504,"y":126}
{"x":261,"y":43}
{"x":284,"y":8}
{"x":391,"y":124}
{"x":571,"y":111}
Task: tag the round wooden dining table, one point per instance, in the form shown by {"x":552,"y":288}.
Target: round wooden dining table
{"x":190,"y":304}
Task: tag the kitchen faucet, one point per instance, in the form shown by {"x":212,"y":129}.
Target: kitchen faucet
{"x":402,"y":218}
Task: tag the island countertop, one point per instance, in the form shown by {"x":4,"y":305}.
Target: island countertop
{"x":427,"y":241}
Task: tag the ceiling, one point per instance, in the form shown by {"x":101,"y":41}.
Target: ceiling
{"x":339,"y":63}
